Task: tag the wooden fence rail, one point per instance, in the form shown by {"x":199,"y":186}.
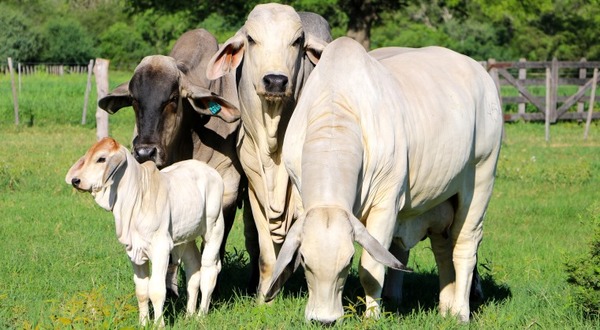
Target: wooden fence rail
{"x":543,"y":85}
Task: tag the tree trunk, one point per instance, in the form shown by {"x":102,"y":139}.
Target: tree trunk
{"x":361,"y":15}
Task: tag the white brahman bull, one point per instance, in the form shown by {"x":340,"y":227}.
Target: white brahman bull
{"x":158,"y":213}
{"x":405,"y":146}
{"x":276,"y":49}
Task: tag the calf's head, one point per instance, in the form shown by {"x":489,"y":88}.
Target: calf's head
{"x":99,"y":166}
{"x":324,"y":242}
{"x":272,"y":44}
{"x":160,"y":94}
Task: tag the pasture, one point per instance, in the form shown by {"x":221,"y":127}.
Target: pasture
{"x":61,"y":265}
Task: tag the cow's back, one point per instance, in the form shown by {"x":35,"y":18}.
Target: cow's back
{"x":453,"y":119}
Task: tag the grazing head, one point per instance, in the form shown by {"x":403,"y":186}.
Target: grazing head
{"x":324,"y":241}
{"x":97,"y":168}
{"x":160,"y":94}
{"x":272,"y":43}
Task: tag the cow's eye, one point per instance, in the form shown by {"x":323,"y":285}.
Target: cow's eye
{"x":298,"y":41}
{"x":251,"y":41}
{"x":101,"y":160}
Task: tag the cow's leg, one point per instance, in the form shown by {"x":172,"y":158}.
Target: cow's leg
{"x":392,"y":287}
{"x":467,"y":233}
{"x":229,"y":212}
{"x":157,"y":289}
{"x":210,"y":262}
{"x":267,"y":256}
{"x":172,"y":278}
{"x":191,"y":261}
{"x":380,"y":224}
{"x":441,"y":245}
{"x":251,"y":241}
{"x":141,"y":279}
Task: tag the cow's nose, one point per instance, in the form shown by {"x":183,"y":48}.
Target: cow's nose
{"x":75,"y":182}
{"x":145,"y":153}
{"x":275,"y":83}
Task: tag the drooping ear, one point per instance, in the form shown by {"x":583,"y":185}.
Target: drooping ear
{"x":314,"y":48}
{"x":117,"y":99}
{"x":114,"y":162}
{"x":208,"y":103}
{"x":227,"y":58}
{"x":375,"y":249}
{"x":286,"y":254}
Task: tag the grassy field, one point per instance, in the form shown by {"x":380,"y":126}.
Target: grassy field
{"x":61,"y":265}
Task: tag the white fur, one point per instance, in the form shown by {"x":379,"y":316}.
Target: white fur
{"x":158,"y":213}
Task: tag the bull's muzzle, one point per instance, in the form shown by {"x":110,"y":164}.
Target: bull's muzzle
{"x":143,"y":153}
{"x":275,"y":83}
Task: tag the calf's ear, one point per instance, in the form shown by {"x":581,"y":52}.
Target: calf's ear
{"x":117,"y":99}
{"x":314,"y":48}
{"x":208,"y":103}
{"x":375,"y":249}
{"x":228,"y":57}
{"x":286,"y":254}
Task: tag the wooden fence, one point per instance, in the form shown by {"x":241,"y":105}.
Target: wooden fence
{"x":57,"y":69}
{"x":543,"y":94}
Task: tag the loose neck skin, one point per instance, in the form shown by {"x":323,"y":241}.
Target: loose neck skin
{"x":122,"y":194}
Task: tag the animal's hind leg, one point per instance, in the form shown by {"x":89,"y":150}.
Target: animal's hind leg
{"x":191,"y":261}
{"x":442,"y":250}
{"x":467,"y":233}
{"x":394,"y":279}
{"x":210,"y":262}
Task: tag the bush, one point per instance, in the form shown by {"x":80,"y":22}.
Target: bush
{"x":66,"y":41}
{"x":584,"y":273}
{"x":17,"y":39}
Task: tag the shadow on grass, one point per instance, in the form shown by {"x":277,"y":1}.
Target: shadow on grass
{"x":420,"y":289}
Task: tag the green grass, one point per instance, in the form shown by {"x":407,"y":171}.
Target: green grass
{"x":61,"y":265}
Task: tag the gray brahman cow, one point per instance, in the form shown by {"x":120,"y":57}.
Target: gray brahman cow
{"x":403,"y":143}
{"x":180,"y":114}
{"x":273,"y":54}
{"x":158,"y":213}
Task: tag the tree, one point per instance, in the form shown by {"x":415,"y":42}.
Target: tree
{"x":358,"y":15}
{"x":17,"y":38}
{"x":66,"y":41}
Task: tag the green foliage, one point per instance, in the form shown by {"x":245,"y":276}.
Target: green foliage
{"x":584,"y":271}
{"x":123,"y":44}
{"x":17,"y":38}
{"x":66,"y":41}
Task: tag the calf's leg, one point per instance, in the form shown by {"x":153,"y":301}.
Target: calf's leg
{"x":191,"y":261}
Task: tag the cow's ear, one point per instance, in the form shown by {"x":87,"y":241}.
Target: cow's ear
{"x":286,"y":254}
{"x":228,"y":57}
{"x":314,"y":48}
{"x":208,"y":103}
{"x":117,"y":99}
{"x":375,"y":249}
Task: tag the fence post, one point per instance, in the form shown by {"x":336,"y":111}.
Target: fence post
{"x":101,"y":73}
{"x":548,"y":100}
{"x":19,"y":72}
{"x":554,"y":91}
{"x":522,"y":76}
{"x":582,"y":75}
{"x":14,"y":90}
{"x":88,"y":88}
{"x":591,"y":108}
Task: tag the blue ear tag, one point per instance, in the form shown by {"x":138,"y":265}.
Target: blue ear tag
{"x":214,"y":107}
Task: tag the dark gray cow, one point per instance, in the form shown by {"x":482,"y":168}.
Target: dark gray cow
{"x":180,"y":114}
